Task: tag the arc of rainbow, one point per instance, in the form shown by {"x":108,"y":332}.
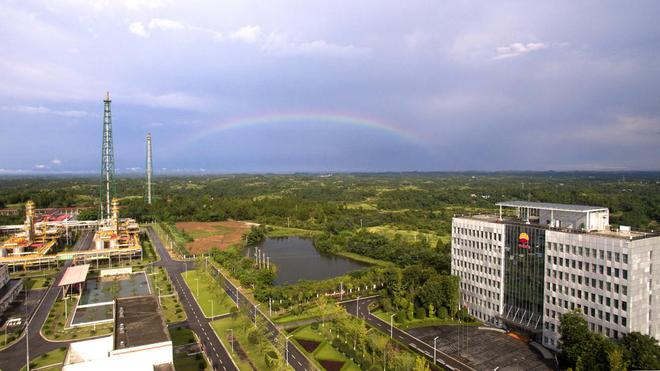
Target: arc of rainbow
{"x":338,"y":119}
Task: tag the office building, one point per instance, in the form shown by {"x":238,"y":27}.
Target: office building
{"x":525,"y":267}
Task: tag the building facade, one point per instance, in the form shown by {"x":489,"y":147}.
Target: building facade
{"x":522,"y":271}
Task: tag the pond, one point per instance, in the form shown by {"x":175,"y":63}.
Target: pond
{"x":297,"y":259}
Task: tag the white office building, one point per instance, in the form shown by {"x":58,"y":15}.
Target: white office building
{"x":522,"y":269}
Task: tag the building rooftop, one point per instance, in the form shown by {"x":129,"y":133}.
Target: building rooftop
{"x":75,"y":274}
{"x":552,"y":206}
{"x":138,"y":321}
{"x":611,"y":232}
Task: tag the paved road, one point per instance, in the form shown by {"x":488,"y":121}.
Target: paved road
{"x":416,"y":344}
{"x":297,"y":358}
{"x":213,"y":348}
{"x":14,"y":357}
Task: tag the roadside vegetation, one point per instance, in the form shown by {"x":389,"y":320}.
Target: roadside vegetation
{"x":169,"y":302}
{"x":210,"y":296}
{"x":51,"y":361}
{"x":186,"y":350}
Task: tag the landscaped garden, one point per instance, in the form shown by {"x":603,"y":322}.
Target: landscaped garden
{"x":210,"y":296}
{"x":50,"y":361}
{"x":169,"y":303}
{"x":54,"y":327}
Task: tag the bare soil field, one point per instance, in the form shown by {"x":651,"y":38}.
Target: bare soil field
{"x":213,"y":234}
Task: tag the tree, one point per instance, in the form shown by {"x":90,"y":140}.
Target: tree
{"x":575,"y":340}
{"x":617,"y":359}
{"x":421,"y":364}
{"x":642,"y":351}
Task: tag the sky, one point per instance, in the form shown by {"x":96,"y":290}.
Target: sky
{"x":330,"y":86}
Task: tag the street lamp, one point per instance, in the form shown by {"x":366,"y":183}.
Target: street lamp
{"x":232,"y":339}
{"x":434,"y":348}
{"x":287,"y":347}
{"x":212,"y":312}
{"x":392,"y":325}
{"x":357,"y":308}
{"x":197,"y":281}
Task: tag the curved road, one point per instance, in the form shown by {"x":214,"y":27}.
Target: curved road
{"x":362,"y":311}
{"x":14,"y":357}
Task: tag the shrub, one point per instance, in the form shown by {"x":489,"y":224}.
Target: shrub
{"x":386,"y":304}
{"x":420,"y":313}
{"x":315,"y":326}
{"x":443,"y":313}
{"x":401,"y":316}
{"x":253,"y":337}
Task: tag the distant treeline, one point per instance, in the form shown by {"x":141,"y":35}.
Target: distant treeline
{"x":423,"y":202}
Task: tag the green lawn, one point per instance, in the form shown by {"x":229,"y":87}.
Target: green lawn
{"x":210,"y":291}
{"x":311,"y":312}
{"x":172,"y":310}
{"x":37,"y":282}
{"x":55,"y":357}
{"x":364,"y":259}
{"x":53,"y":328}
{"x":240,"y":326}
{"x":391,"y":231}
{"x":287,"y":232}
{"x":434,"y":321}
{"x":325,"y":351}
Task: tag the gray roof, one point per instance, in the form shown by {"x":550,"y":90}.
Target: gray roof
{"x":552,"y":206}
{"x":142,"y":322}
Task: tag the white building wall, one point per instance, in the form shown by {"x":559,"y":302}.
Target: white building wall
{"x":478,"y":259}
{"x":645,"y":286}
{"x":592,"y":273}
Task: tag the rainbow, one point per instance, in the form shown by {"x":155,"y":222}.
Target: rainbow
{"x":304,"y":118}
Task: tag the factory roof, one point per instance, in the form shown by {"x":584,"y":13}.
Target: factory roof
{"x":552,"y":206}
{"x":75,"y":274}
{"x":138,"y":321}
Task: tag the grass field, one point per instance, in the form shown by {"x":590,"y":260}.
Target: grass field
{"x":364,"y":259}
{"x":325,"y":350}
{"x":209,"y":292}
{"x":288,"y":232}
{"x":53,"y":328}
{"x":55,"y":358}
{"x":37,"y":282}
{"x":385,"y":316}
{"x":410,"y":235}
{"x":170,"y":306}
{"x":240,"y":326}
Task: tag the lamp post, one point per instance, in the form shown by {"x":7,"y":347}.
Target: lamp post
{"x":197,"y":281}
{"x":357,"y":307}
{"x":232,"y":339}
{"x":212,"y":312}
{"x":435,"y":339}
{"x":287,"y":347}
{"x":270,"y":307}
{"x":392,"y":325}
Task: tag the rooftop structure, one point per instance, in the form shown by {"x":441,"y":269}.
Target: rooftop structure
{"x":581,"y":217}
{"x":140,"y":341}
{"x":138,"y":322}
{"x":75,"y":274}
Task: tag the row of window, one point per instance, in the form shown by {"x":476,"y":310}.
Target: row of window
{"x":480,"y":303}
{"x":469,"y":288}
{"x":602,"y":285}
{"x":595,"y":268}
{"x":477,"y":268}
{"x":477,"y":245}
{"x":477,"y":279}
{"x":611,"y":303}
{"x":588,"y":252}
{"x":476,"y":233}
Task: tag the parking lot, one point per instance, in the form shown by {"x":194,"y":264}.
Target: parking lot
{"x":484,"y":349}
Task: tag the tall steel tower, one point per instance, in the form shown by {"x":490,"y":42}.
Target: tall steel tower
{"x":150,"y":170}
{"x":107,"y":192}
